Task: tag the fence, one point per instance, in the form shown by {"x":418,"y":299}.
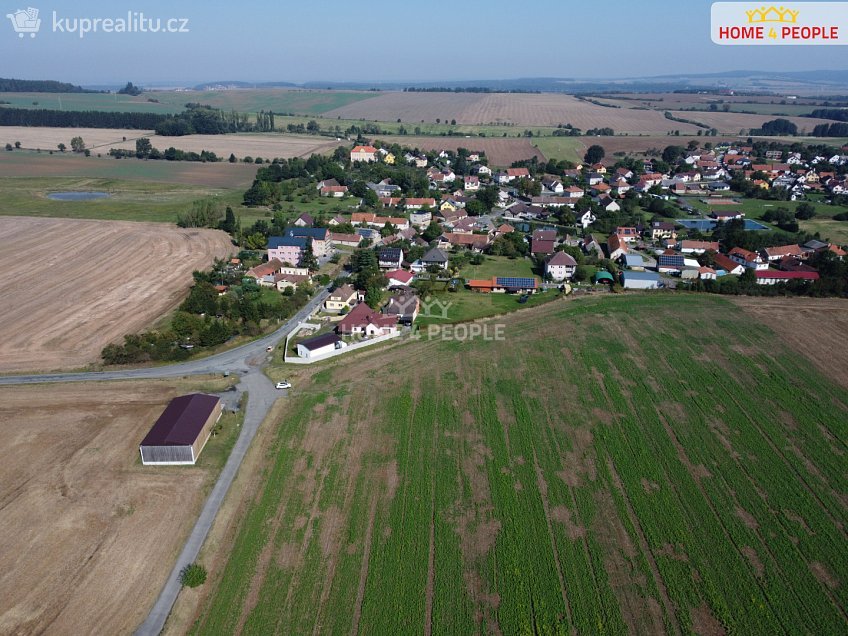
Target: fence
{"x":337,"y":352}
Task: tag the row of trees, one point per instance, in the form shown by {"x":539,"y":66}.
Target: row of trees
{"x":78,"y":119}
{"x":206,"y":319}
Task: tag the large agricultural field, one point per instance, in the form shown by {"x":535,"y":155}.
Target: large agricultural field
{"x":101,"y":140}
{"x":89,"y":535}
{"x":86,"y":283}
{"x":280,"y":100}
{"x":548,"y":109}
{"x":601,"y":470}
{"x":213,"y":176}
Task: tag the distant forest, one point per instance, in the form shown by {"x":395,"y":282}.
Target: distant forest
{"x":196,"y":119}
{"x":79,"y":119}
{"x":39,"y":86}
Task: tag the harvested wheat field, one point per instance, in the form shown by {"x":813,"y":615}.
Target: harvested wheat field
{"x":72,"y":286}
{"x":96,"y":139}
{"x":500,"y":152}
{"x":549,"y":109}
{"x":822,"y":338}
{"x":89,"y":534}
{"x":100,"y":140}
{"x":732,"y":123}
{"x":267,"y":146}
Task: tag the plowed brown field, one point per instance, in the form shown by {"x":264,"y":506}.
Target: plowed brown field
{"x":70,"y":287}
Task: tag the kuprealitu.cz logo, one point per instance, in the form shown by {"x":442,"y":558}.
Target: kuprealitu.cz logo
{"x":28,"y":22}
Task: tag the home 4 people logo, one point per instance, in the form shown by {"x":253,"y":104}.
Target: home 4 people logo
{"x":801,"y":23}
{"x":25,"y":21}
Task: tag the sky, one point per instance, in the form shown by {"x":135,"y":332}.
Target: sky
{"x":379,"y":40}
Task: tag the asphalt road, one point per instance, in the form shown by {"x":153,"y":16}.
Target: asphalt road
{"x":246,"y":361}
{"x":237,"y":360}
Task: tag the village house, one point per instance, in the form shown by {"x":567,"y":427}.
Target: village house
{"x":420,"y":218}
{"x":341,"y":299}
{"x":304,"y":220}
{"x":435,"y":258}
{"x":560,"y":266}
{"x":748,"y":259}
{"x":336,"y":192}
{"x":628,"y":234}
{"x":399,"y":278}
{"x":320,"y":345}
{"x":345,"y":240}
{"x":404,"y":307}
{"x":777,"y":253}
{"x":663,"y":230}
{"x":725,"y":265}
{"x":697,"y":247}
{"x":364,"y":321}
{"x":616,"y":246}
{"x":584,"y":219}
{"x":363,"y":153}
{"x":504,"y":285}
{"x":390,"y":258}
{"x":471,"y":183}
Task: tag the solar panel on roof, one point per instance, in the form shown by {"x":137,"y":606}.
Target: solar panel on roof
{"x":513,"y":282}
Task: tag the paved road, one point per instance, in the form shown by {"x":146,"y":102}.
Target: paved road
{"x":234,"y":360}
{"x":261,"y":397}
{"x":247,"y":361}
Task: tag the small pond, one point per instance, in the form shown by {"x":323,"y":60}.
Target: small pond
{"x":77,"y":196}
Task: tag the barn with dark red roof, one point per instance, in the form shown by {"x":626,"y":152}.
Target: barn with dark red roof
{"x":181,"y":432}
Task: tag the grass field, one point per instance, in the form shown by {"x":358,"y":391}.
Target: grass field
{"x":90,"y":534}
{"x":602,"y":470}
{"x":248,"y":101}
{"x":499,"y":266}
{"x":823,"y":223}
{"x":213,"y":176}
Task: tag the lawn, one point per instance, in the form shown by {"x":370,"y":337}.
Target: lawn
{"x":571,"y":148}
{"x":499,"y":266}
{"x":464,"y":305}
{"x":129,"y":200}
{"x":605,"y":468}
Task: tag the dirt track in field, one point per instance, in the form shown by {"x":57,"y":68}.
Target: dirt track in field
{"x":814,"y":327}
{"x":70,"y":287}
{"x":89,"y":534}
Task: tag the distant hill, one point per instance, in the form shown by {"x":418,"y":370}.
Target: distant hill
{"x":39,"y":86}
{"x":820,"y":82}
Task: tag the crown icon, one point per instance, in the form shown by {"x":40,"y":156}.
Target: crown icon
{"x":772,"y":14}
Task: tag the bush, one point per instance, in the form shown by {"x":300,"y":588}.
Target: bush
{"x":192,"y":575}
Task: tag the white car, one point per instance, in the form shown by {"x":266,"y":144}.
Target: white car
{"x":283,"y":385}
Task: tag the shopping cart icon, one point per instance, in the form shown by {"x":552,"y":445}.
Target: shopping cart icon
{"x":25,"y":21}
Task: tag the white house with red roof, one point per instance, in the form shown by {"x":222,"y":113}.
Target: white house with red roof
{"x":399,"y":278}
{"x":748,"y":259}
{"x":362,"y":320}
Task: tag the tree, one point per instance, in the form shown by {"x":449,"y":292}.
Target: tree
{"x":805,"y":211}
{"x":308,"y":259}
{"x":143,"y":147}
{"x":192,"y":575}
{"x":672,"y":153}
{"x":594,"y":154}
{"x":62,"y":147}
{"x":232,"y":158}
{"x":9,"y":147}
{"x":229,"y":222}
{"x":129,"y":89}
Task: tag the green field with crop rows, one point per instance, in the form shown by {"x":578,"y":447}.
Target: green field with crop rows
{"x":637,"y":464}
